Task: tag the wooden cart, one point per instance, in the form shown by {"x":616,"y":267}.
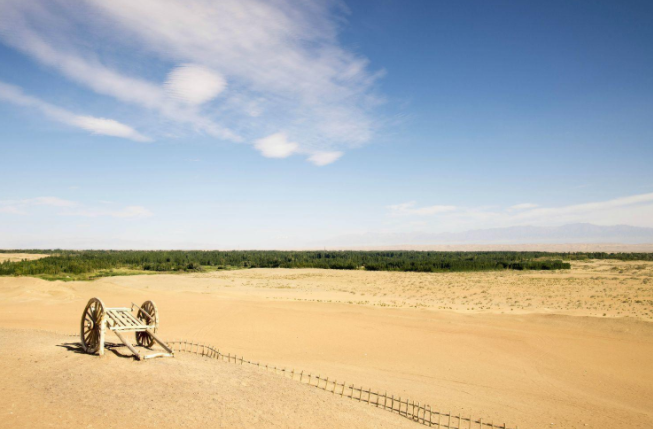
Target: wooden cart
{"x":97,"y":318}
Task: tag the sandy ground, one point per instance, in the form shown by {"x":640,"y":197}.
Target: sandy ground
{"x":52,"y":384}
{"x":15,"y":257}
{"x":529,"y":349}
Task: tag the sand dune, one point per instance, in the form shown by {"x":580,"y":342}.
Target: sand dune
{"x":15,"y":257}
{"x":528,"y":363}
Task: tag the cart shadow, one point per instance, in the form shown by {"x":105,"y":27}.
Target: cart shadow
{"x":115,"y":348}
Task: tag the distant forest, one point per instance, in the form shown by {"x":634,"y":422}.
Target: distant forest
{"x":67,"y":262}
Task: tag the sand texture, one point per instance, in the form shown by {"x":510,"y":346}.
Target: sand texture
{"x":529,"y":349}
{"x":16,"y":257}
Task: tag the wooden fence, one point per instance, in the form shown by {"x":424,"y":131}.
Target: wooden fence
{"x":408,"y":408}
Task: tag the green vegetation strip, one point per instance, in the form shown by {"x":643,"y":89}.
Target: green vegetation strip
{"x":89,"y":264}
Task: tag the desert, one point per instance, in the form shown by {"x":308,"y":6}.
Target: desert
{"x":326,"y":214}
{"x":504,"y":346}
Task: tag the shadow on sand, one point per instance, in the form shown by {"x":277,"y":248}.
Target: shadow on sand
{"x":117,"y":349}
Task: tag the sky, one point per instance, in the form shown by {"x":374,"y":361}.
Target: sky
{"x":238,"y":124}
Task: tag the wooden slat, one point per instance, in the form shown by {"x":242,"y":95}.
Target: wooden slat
{"x":128,"y":329}
{"x":117,"y":318}
{"x":154,"y":355}
{"x":136,"y":321}
{"x":128,"y":318}
{"x":113,"y":318}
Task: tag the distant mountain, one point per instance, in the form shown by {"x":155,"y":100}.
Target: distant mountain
{"x":573,"y":233}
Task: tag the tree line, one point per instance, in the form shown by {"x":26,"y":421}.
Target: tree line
{"x":88,"y":261}
{"x":79,"y":262}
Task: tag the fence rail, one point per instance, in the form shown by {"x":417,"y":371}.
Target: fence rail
{"x":408,"y":408}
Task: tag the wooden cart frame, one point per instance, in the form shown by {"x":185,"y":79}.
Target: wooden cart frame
{"x":97,"y":318}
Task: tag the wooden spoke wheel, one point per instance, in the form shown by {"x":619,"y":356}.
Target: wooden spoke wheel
{"x":92,"y":326}
{"x":151,"y":318}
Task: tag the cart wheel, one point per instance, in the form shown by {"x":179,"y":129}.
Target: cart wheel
{"x":92,"y":326}
{"x":143,"y":338}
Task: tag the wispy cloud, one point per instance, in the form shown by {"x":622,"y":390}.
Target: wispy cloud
{"x":127,"y":212}
{"x":324,"y":158}
{"x":523,"y":206}
{"x":70,"y":208}
{"x":230,"y":61}
{"x":410,"y":209}
{"x":631,"y":210}
{"x":20,"y":207}
{"x":101,"y":126}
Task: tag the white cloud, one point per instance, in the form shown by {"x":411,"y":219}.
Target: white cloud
{"x":632,"y":210}
{"x":324,"y":158}
{"x":594,"y":210}
{"x":283,"y":60}
{"x":194,"y":84}
{"x":108,"y":127}
{"x":276,"y":146}
{"x":102,"y":126}
{"x":523,"y":206}
{"x":409,"y":209}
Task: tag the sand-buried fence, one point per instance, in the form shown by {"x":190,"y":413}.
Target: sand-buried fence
{"x":419,"y":413}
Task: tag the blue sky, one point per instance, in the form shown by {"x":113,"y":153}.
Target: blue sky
{"x":243,"y":124}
